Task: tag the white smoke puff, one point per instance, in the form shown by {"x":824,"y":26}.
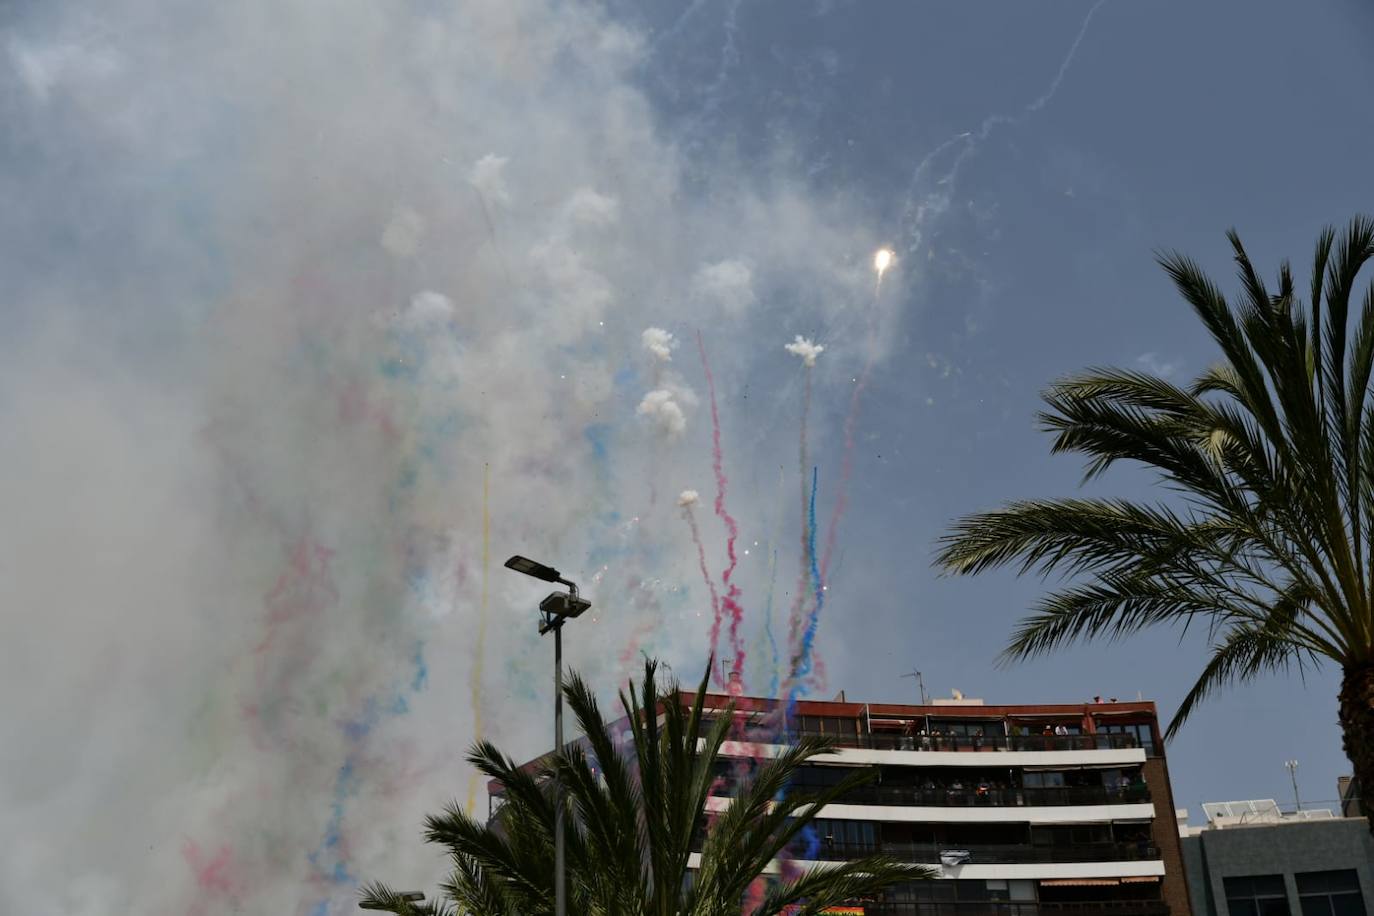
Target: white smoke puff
{"x":427,"y":309}
{"x":688,"y":498}
{"x":660,"y":343}
{"x":593,"y":209}
{"x":729,"y":283}
{"x":488,"y":177}
{"x":807,"y":350}
{"x":664,"y":411}
{"x":401,"y":237}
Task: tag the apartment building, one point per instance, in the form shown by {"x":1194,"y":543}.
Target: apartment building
{"x":1026,"y":810}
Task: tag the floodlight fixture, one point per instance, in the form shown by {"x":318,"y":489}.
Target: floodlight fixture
{"x":564,"y":606}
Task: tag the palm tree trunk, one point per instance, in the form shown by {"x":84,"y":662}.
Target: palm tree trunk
{"x":1357,"y":724}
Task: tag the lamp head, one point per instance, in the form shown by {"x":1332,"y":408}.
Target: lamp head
{"x":531,"y":568}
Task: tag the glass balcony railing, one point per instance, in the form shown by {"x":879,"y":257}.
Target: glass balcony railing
{"x":893,"y":742}
{"x":1009,"y":908}
{"x":971,"y":797}
{"x":979,"y":854}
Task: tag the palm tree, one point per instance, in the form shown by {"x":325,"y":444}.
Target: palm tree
{"x":637,"y":817}
{"x":1271,"y":451}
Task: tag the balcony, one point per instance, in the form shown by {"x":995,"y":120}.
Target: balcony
{"x":981,"y":854}
{"x":1007,"y":908}
{"x":882,"y":741}
{"x":1134,"y":794}
{"x":970,"y":797}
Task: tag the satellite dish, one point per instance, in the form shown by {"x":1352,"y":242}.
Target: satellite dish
{"x":957,"y":694}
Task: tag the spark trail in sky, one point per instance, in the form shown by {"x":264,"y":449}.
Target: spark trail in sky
{"x":882,"y":261}
{"x":480,"y":646}
{"x":730,"y":601}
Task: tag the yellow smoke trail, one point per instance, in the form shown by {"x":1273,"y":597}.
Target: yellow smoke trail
{"x":480,"y":651}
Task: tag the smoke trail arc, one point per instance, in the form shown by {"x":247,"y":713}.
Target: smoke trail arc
{"x":730,"y":601}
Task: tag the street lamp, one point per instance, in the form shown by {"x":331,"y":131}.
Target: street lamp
{"x":556,"y":608}
{"x":1292,"y":767}
{"x":407,"y":896}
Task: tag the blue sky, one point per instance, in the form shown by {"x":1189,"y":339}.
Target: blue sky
{"x":1173,"y":122}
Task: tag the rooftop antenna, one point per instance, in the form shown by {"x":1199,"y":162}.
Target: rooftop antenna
{"x":920,"y":684}
{"x":1292,"y":767}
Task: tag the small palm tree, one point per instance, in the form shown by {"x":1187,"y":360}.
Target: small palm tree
{"x":636,"y":817}
{"x":1271,"y":545}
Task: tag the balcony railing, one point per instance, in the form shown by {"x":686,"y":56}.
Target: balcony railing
{"x":1008,"y":908}
{"x":971,"y":797}
{"x":965,"y":796}
{"x":891,"y":742}
{"x":980,"y":854}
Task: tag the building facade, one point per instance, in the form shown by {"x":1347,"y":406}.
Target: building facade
{"x":1026,"y":810}
{"x":1268,"y":864}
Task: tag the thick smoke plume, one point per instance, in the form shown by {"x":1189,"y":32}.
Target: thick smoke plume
{"x":281,"y":282}
{"x":660,"y":343}
{"x":804,"y":348}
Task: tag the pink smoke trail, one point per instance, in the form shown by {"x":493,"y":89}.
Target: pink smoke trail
{"x":732,"y":591}
{"x":686,"y":500}
{"x":627,"y":655}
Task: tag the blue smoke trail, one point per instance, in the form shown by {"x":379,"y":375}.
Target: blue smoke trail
{"x":768,"y":627}
{"x":345,"y":785}
{"x":814,"y":618}
{"x":802,"y":666}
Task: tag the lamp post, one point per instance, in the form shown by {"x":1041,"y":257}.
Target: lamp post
{"x":1292,"y":767}
{"x":556,"y":608}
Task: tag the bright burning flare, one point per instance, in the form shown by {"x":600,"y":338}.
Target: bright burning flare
{"x":882,"y":260}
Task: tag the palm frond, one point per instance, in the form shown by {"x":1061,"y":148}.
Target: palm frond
{"x":1269,"y":455}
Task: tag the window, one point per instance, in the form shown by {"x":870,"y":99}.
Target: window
{"x":1257,"y":895}
{"x":828,"y":725}
{"x":1330,"y":893}
{"x":1043,"y":780}
{"x":1141,"y":732}
{"x":844,"y":838}
{"x":968,"y":728}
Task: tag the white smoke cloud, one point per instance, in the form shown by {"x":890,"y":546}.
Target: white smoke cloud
{"x":665,"y":412}
{"x":688,"y":498}
{"x":272,"y":384}
{"x":403,"y":233}
{"x":804,"y":348}
{"x":729,"y":283}
{"x":660,"y":343}
{"x":593,"y":209}
{"x":429,"y":308}
{"x":488,"y":177}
